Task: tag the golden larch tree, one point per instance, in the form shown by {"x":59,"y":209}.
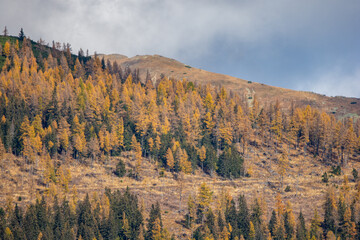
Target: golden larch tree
{"x":136,"y":148}
{"x":251,"y":231}
{"x":6,"y":49}
{"x":283,"y":165}
{"x":204,"y":199}
{"x":184,"y":163}
{"x":170,"y":159}
{"x":202,"y":156}
{"x":78,"y":137}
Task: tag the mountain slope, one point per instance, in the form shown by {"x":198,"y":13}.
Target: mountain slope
{"x":157,"y":65}
{"x":70,"y":128}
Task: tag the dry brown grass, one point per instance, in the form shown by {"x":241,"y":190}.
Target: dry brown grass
{"x":304,"y":172}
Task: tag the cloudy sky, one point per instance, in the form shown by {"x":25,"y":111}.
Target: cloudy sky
{"x":303,"y":45}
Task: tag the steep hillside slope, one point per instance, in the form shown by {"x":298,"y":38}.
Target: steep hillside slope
{"x":305,"y":184}
{"x":157,"y":65}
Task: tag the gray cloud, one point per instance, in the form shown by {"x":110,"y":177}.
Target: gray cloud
{"x":334,"y":82}
{"x":269,"y":41}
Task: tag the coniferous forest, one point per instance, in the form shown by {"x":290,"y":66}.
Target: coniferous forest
{"x":56,"y":106}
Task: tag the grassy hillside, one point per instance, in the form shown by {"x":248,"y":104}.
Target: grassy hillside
{"x":304,"y":179}
{"x":157,"y":65}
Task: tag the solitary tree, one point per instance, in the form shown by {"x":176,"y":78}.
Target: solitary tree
{"x":136,"y":147}
{"x":170,"y":159}
{"x":202,"y":156}
{"x":191,"y":206}
{"x":283,"y":165}
{"x":252,"y":231}
{"x":21,"y":34}
{"x":204,"y":199}
{"x":5,"y":32}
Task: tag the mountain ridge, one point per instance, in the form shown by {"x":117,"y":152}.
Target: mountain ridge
{"x":158,"y":65}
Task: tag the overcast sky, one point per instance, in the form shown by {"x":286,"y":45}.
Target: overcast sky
{"x":303,"y":45}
